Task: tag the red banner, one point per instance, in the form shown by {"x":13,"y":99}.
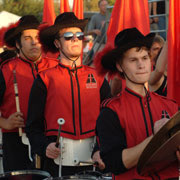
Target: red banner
{"x":78,"y":9}
{"x":64,"y":6}
{"x":48,"y":12}
{"x":128,"y":14}
{"x":173,"y":51}
{"x":2,"y":31}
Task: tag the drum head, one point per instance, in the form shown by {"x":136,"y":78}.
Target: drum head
{"x":25,"y":175}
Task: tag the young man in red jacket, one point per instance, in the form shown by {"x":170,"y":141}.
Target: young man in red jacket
{"x":22,"y":36}
{"x":71,"y":91}
{"x":128,"y":121}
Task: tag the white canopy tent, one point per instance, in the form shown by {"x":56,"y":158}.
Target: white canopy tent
{"x":7,"y":18}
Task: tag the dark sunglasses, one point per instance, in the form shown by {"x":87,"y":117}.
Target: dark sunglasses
{"x":69,"y":35}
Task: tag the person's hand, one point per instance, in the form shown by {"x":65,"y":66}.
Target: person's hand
{"x":96,"y":158}
{"x":52,"y":151}
{"x":160,"y":123}
{"x":97,"y":32}
{"x":15,"y":120}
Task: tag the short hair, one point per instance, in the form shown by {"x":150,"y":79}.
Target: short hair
{"x":99,"y":2}
{"x":158,"y":39}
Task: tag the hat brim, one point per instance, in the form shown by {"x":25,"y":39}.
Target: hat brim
{"x":109,"y":59}
{"x":11,"y":35}
{"x":47,"y":35}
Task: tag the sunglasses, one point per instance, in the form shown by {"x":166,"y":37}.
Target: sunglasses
{"x":69,"y":35}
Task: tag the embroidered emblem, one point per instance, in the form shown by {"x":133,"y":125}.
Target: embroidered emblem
{"x":91,"y":82}
{"x":165,"y":114}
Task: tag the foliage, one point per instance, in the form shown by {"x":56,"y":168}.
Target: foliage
{"x":111,"y":2}
{"x":56,"y":8}
{"x":35,"y":7}
{"x":92,"y":5}
{"x":23,"y":7}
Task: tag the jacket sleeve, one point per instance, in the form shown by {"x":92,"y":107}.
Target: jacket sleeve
{"x":105,"y":91}
{"x":2,"y":86}
{"x":112,"y":140}
{"x":35,"y":124}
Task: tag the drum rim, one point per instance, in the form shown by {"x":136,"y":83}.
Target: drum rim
{"x":89,"y":171}
{"x":70,"y":177}
{"x":26,"y":172}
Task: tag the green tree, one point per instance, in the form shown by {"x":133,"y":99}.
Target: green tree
{"x":57,"y":8}
{"x":111,"y":2}
{"x":92,"y":5}
{"x":23,"y":7}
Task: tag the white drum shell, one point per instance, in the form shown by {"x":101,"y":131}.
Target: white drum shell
{"x":75,"y":151}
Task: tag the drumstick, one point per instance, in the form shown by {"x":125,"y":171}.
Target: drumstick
{"x":17,"y":98}
{"x":38,"y":161}
{"x":60,"y":121}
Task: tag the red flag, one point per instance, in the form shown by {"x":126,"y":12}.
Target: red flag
{"x":128,"y":14}
{"x":64,"y":6}
{"x":173,"y":51}
{"x":78,"y":8}
{"x":48,"y":12}
{"x":2,"y":31}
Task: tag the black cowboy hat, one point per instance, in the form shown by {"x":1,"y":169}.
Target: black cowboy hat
{"x":24,"y":23}
{"x":124,"y":40}
{"x":64,"y":20}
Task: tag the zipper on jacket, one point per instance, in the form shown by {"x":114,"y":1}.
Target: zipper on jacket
{"x":73,"y":107}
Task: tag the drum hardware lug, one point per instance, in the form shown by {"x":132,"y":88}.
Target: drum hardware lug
{"x":76,"y":161}
{"x":63,"y":147}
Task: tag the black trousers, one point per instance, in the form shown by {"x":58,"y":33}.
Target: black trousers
{"x":53,"y":168}
{"x":15,"y":153}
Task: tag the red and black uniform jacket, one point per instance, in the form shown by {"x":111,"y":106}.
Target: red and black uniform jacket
{"x":62,"y":92}
{"x":26,"y":72}
{"x":124,"y":122}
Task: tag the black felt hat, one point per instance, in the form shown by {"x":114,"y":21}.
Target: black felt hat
{"x":125,"y":40}
{"x":25,"y":22}
{"x":64,"y":20}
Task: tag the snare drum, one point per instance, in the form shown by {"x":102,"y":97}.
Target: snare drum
{"x":75,"y":151}
{"x":25,"y":175}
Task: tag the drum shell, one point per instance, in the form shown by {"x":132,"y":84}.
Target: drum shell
{"x":72,"y":153}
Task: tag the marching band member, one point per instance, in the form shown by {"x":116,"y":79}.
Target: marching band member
{"x":127,"y":122}
{"x":22,"y":36}
{"x":70,"y":90}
